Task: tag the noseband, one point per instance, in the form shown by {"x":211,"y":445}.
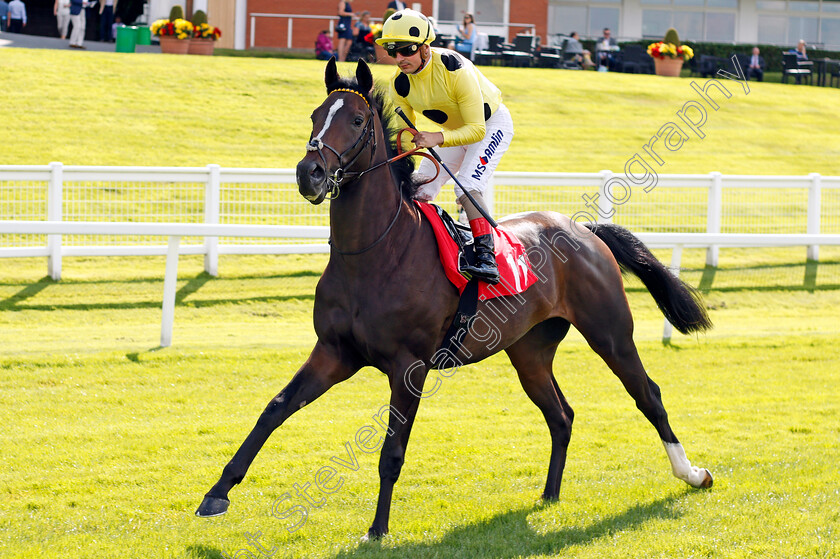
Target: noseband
{"x":340,"y":175}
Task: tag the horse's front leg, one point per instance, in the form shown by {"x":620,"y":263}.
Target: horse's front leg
{"x":323,"y":369}
{"x":406,"y":389}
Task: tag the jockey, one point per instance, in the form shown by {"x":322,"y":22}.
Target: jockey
{"x":476,"y":127}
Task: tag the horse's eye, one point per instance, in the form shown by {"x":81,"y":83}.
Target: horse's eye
{"x":359,"y":121}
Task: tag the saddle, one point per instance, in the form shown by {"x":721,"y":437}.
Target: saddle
{"x":455,"y":246}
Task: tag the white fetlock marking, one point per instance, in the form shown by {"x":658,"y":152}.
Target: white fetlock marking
{"x":682,"y":468}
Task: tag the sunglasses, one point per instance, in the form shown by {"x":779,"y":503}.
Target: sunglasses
{"x":407,"y":50}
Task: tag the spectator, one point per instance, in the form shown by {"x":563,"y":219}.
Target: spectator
{"x":800,"y":50}
{"x":604,"y":51}
{"x":362,"y":47}
{"x":4,"y":12}
{"x":16,"y":16}
{"x":574,"y":50}
{"x":756,"y":67}
{"x":324,"y":46}
{"x":396,"y":5}
{"x":61,"y":10}
{"x":117,"y":23}
{"x":466,"y":35}
{"x":77,"y":18}
{"x":91,"y":13}
{"x":344,"y":28}
{"x":362,"y":26}
{"x":106,"y":19}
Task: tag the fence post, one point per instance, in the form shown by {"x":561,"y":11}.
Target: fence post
{"x":55,"y":193}
{"x":814,"y":209}
{"x":713,"y":216}
{"x":253,"y":30}
{"x":212,"y":203}
{"x":289,"y":33}
{"x":676,"y":259}
{"x":170,"y":282}
{"x":604,"y":202}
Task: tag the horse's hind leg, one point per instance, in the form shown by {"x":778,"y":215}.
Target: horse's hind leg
{"x":613,"y":340}
{"x":532,"y":357}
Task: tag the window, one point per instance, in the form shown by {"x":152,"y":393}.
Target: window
{"x":489,"y":11}
{"x":655,"y":22}
{"x":565,"y":19}
{"x":720,"y":27}
{"x":775,"y":5}
{"x":830,"y":29}
{"x":600,"y":18}
{"x":802,"y":28}
{"x":772,"y":29}
{"x":690,"y":25}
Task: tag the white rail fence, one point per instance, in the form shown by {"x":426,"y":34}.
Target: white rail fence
{"x":55,"y":211}
{"x":709,"y":203}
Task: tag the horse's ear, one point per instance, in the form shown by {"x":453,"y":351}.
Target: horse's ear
{"x":363,"y":77}
{"x":331,"y":75}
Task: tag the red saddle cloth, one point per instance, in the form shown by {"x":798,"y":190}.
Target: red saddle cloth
{"x":514,"y":266}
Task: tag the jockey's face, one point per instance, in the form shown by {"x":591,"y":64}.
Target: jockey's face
{"x":411,"y":63}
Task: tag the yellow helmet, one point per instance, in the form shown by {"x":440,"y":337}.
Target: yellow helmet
{"x":406,"y":27}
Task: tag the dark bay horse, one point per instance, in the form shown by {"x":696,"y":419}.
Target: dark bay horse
{"x":384,"y":301}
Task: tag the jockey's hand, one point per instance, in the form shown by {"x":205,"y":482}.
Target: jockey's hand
{"x":428,"y":139}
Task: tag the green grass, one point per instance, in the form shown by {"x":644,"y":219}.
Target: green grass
{"x":110,"y":442}
{"x":144,"y":109}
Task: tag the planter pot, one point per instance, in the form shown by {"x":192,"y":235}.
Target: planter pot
{"x":668,"y":66}
{"x":381,"y":57}
{"x":202,"y":46}
{"x":171,"y":45}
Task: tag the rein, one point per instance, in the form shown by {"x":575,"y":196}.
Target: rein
{"x":339,"y":176}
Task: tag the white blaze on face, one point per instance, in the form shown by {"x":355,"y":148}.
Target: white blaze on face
{"x":334,"y":109}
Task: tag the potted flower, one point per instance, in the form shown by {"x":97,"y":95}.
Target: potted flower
{"x":174,"y":35}
{"x":204,"y":35}
{"x":669,"y":55}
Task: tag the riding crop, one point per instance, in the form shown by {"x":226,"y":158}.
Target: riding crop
{"x":481,"y":210}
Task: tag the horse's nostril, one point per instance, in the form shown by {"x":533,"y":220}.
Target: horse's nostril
{"x":316,"y":173}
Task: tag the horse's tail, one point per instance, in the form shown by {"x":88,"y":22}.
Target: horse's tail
{"x":679,"y":302}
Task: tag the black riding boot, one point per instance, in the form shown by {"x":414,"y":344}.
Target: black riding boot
{"x":485,"y":267}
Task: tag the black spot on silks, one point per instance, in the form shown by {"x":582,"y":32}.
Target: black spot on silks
{"x":436,"y":116}
{"x":487,"y":112}
{"x":402,"y":85}
{"x":414,"y":31}
{"x":451,"y":60}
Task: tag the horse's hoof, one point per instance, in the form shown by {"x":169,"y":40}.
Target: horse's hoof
{"x":708,"y":480}
{"x":212,"y":506}
{"x":372,"y":536}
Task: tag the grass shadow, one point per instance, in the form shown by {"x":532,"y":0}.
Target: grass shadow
{"x":510,"y":535}
{"x":707,"y":279}
{"x":192,"y":286}
{"x":810,"y":281}
{"x":204,"y":552}
{"x":27,"y":292}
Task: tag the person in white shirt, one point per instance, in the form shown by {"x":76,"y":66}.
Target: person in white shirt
{"x":17,"y":16}
{"x":61,"y":10}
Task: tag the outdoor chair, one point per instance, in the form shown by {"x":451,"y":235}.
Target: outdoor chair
{"x":492,"y":54}
{"x":792,"y":67}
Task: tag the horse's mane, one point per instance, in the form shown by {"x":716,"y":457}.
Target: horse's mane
{"x":401,"y":170}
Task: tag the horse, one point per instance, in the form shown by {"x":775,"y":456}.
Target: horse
{"x":384,"y":300}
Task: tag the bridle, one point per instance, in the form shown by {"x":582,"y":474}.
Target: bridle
{"x":367,"y":136}
{"x":340,"y":176}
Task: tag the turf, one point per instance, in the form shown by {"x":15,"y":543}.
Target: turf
{"x":144,"y":109}
{"x":110,"y":442}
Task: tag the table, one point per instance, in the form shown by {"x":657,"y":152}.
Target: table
{"x":822,"y":65}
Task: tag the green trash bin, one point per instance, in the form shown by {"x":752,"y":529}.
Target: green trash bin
{"x":126,"y":38}
{"x":144,"y":35}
